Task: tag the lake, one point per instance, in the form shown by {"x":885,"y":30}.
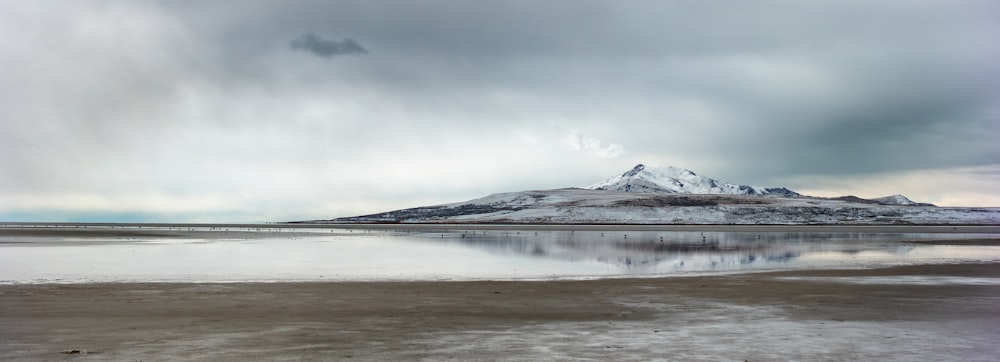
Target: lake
{"x":267,"y":253}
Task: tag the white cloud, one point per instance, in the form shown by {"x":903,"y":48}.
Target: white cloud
{"x":132,"y":202}
{"x":589,"y":145}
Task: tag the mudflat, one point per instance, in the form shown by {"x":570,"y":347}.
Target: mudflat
{"x":921,"y":312}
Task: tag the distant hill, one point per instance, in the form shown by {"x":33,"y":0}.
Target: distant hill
{"x":671,"y":195}
{"x":898,"y":200}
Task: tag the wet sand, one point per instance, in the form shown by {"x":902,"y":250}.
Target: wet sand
{"x":927,"y":312}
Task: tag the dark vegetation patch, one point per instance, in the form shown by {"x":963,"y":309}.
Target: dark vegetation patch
{"x":663,"y":201}
{"x":699,"y":200}
{"x":803,"y":214}
{"x":429,"y":212}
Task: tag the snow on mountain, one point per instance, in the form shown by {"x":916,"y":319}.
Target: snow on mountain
{"x":583,"y":206}
{"x":672,"y":195}
{"x":898,"y":200}
{"x":676,"y":180}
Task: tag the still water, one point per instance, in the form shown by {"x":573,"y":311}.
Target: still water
{"x":346,"y":254}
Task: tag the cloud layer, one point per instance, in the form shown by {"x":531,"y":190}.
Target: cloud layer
{"x":184,"y":107}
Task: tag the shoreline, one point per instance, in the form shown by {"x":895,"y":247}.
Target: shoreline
{"x":22,"y":228}
{"x":986,"y":269}
{"x":948,"y":311}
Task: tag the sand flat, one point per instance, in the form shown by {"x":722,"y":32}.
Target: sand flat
{"x":936,"y":312}
{"x":810,"y":315}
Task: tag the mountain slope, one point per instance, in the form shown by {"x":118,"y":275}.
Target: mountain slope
{"x":583,"y":206}
{"x":675,"y":180}
{"x":672,"y":195}
{"x":898,"y":200}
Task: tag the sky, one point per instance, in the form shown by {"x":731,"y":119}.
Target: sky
{"x":250,"y":111}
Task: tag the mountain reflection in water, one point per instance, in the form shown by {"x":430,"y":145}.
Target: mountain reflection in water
{"x":449,"y":254}
{"x":654,"y":252}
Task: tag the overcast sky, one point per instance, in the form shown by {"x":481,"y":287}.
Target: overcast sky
{"x":290,"y":110}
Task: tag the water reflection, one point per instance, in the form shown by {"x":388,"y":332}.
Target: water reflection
{"x":337,"y":254}
{"x":665,"y":252}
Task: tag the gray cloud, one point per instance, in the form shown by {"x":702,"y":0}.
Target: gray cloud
{"x":188,"y":102}
{"x":326,"y":48}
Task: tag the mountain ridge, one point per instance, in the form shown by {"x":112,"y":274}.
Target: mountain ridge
{"x":672,"y":195}
{"x":670,"y":179}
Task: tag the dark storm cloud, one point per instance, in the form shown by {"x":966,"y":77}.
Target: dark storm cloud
{"x":326,"y":48}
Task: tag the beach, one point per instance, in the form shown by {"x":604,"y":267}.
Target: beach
{"x":945,"y":310}
{"x":939,"y":312}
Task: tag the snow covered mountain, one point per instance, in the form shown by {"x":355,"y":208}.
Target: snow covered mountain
{"x":583,"y":206}
{"x":671,"y":195}
{"x":676,"y":180}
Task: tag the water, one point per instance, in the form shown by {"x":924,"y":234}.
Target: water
{"x":217,"y":255}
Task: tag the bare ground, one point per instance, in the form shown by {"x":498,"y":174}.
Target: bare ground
{"x":930,"y":312}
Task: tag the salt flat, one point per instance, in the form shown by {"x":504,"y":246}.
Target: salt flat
{"x":942,"y":309}
{"x":800,"y":315}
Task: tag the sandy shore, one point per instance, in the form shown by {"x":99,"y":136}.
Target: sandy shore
{"x":929,"y":313}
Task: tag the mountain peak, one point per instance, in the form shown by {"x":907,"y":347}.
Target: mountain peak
{"x":634,"y":171}
{"x":670,"y":179}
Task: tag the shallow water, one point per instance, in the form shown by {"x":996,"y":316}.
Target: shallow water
{"x":345,"y":254}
